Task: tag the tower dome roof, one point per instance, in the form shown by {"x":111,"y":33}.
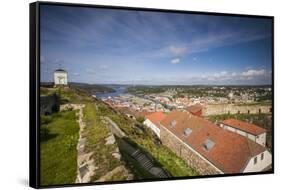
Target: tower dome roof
{"x":60,"y":70}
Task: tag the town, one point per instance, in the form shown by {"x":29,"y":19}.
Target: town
{"x":141,"y":100}
{"x":179,"y":117}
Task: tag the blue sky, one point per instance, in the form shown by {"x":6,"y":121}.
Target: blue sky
{"x":105,"y":46}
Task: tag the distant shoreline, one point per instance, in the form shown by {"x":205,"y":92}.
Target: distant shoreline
{"x":168,"y":85}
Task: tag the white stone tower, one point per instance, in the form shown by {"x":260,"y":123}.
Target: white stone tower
{"x":60,"y":77}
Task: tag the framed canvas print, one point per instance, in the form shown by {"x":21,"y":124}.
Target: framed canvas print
{"x":120,"y":94}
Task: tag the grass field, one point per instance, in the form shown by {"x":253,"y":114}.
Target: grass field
{"x":59,"y":136}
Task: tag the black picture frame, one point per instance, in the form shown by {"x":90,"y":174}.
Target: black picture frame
{"x":34,"y":93}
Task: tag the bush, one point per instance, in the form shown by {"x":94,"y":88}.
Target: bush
{"x":140,"y":119}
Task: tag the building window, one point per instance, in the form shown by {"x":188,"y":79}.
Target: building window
{"x":173,"y":123}
{"x":187,"y":132}
{"x":262,"y":156}
{"x":208,"y":144}
{"x":255,"y":160}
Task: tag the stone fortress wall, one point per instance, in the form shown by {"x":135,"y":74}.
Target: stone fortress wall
{"x":49,"y":104}
{"x":193,"y":159}
{"x":219,"y":109}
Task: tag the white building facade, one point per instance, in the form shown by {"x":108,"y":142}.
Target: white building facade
{"x":258,"y":138}
{"x":259,"y":162}
{"x":60,"y":77}
{"x":152,"y":126}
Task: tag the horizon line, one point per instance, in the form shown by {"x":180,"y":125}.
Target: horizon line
{"x":127,"y":84}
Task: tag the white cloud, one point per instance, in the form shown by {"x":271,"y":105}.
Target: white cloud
{"x":223,"y":75}
{"x":175,"y":61}
{"x":252,"y":73}
{"x":180,"y":50}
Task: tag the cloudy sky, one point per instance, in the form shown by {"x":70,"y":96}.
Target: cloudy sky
{"x":104,"y":46}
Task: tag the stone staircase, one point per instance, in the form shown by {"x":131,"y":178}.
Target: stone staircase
{"x":148,"y":164}
{"x":145,"y":161}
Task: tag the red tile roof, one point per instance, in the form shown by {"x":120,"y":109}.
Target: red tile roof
{"x":132,"y":112}
{"x":231,"y":151}
{"x":156,"y":117}
{"x":244,"y":126}
{"x":194,"y":108}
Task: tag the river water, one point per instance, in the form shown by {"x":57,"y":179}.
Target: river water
{"x":119,"y":91}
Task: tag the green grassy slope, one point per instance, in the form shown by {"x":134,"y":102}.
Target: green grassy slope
{"x":59,"y":136}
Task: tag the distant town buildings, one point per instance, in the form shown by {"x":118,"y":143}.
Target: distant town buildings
{"x":60,"y":77}
{"x":134,"y":105}
{"x":200,"y":101}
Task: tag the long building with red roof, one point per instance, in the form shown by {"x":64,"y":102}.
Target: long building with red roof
{"x":209,"y":148}
{"x":251,"y":131}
